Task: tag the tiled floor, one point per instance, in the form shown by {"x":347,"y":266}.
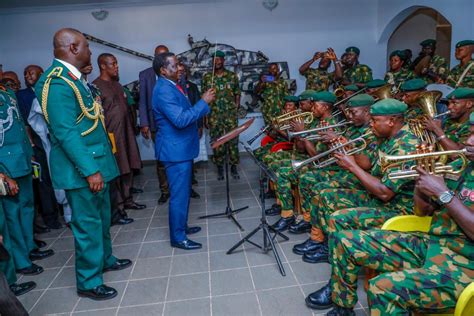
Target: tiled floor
{"x":167,"y":281}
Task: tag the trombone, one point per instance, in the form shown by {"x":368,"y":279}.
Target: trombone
{"x":338,"y":146}
{"x":321,"y":128}
{"x":430,"y":161}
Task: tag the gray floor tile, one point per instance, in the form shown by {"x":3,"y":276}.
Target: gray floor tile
{"x":155,"y":249}
{"x":42,"y":280}
{"x":231,"y":281}
{"x":192,"y":263}
{"x":67,"y":277}
{"x":30,"y":298}
{"x":141,"y":223}
{"x":287,"y":248}
{"x":158,"y":234}
{"x":152,"y":310}
{"x":126,"y":251}
{"x":311,"y":273}
{"x":235,"y":305}
{"x":219,"y":260}
{"x":159,"y":221}
{"x":56,"y":301}
{"x":129,"y":237}
{"x":58,"y":260}
{"x":286,"y":301}
{"x":145,"y":213}
{"x":97,"y":312}
{"x":268,"y":277}
{"x":145,"y":292}
{"x":151,"y":267}
{"x":88,"y":304}
{"x":223,"y":242}
{"x":188,"y":286}
{"x":197,"y":307}
{"x":115,"y":276}
{"x":222,"y":228}
{"x":63,"y":243}
{"x":257,"y":257}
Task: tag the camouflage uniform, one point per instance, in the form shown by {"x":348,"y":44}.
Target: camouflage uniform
{"x":399,"y":77}
{"x":358,"y":74}
{"x":457,"y":132}
{"x":223,"y":117}
{"x":422,"y":271}
{"x":413,"y":112}
{"x":437,"y":66}
{"x":455,"y":74}
{"x":273,"y":94}
{"x":339,"y":209}
{"x":317,"y":79}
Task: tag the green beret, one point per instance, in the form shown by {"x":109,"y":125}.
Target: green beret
{"x":360,"y":100}
{"x":471,"y":118}
{"x":305,"y":95}
{"x":388,"y":107}
{"x":353,"y":49}
{"x":399,"y":53}
{"x":219,"y":54}
{"x":325,"y":96}
{"x":291,"y":98}
{"x":464,"y":43}
{"x":351,"y":87}
{"x":413,"y":85}
{"x":462,"y":93}
{"x":377,"y":83}
{"x":428,"y":42}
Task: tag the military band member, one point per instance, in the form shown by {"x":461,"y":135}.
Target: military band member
{"x":433,"y":68}
{"x":398,"y":73}
{"x":373,"y":85}
{"x":355,"y":73}
{"x":419,"y":272}
{"x":223,"y":117}
{"x":319,"y":79}
{"x":409,"y":91}
{"x":82,"y":162}
{"x":462,"y":75}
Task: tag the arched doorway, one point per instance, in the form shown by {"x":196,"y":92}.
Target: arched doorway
{"x":421,"y":24}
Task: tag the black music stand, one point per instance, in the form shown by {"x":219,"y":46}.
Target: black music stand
{"x":268,"y":239}
{"x":224,"y":140}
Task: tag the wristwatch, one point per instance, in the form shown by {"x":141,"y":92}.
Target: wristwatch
{"x":445,"y":197}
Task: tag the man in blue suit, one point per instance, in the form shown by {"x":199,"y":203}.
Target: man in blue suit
{"x":177,"y":143}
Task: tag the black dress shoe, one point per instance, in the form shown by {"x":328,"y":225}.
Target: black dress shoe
{"x":120,"y":264}
{"x":99,"y":293}
{"x":31,"y":270}
{"x":341,"y":311}
{"x":54,"y":225}
{"x":186,"y":244}
{"x":37,"y":254}
{"x":274,"y":210}
{"x":270,"y":194}
{"x":134,"y":190}
{"x":194,"y":194}
{"x":321,"y":299}
{"x":163,"y":198}
{"x":123,"y":221}
{"x":308,"y":246}
{"x":193,"y":230}
{"x":283,"y":223}
{"x":40,"y":229}
{"x":40,"y":243}
{"x":234,"y":173}
{"x":22,"y":288}
{"x":134,"y":206}
{"x":220,"y":173}
{"x":300,"y":228}
{"x":319,"y":255}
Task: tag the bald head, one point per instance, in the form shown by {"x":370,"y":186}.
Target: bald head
{"x":160,"y":49}
{"x":71,"y":46}
{"x":32,"y":74}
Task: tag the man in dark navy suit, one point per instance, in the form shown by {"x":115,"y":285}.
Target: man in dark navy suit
{"x":177,"y":143}
{"x":147,"y":125}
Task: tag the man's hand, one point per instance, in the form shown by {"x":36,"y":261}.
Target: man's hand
{"x":345,"y":161}
{"x":12,"y":185}
{"x":328,"y":136}
{"x":317,"y":55}
{"x":145,"y":130}
{"x":297,"y":125}
{"x":209,"y":96}
{"x":430,"y":185}
{"x":331,"y":54}
{"x":433,"y":126}
{"x":96,"y":183}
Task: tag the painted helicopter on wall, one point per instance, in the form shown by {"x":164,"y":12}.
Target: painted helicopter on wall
{"x":248,"y":65}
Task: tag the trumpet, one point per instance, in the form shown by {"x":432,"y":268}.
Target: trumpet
{"x":430,"y":161}
{"x":321,"y":128}
{"x":282,"y":122}
{"x":338,"y":146}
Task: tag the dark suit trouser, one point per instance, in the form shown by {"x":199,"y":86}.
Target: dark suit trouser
{"x":179,"y":178}
{"x":161,"y":173}
{"x":9,"y":304}
{"x":118,"y":211}
{"x":90,"y":226}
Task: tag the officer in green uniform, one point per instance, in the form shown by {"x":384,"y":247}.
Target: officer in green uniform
{"x":319,"y":79}
{"x":15,"y":158}
{"x":410,"y":90}
{"x":462,"y":75}
{"x":382,"y":197}
{"x":315,"y":180}
{"x":419,"y":272}
{"x":434,"y":68}
{"x":398,"y":74}
{"x":223,"y":117}
{"x":82,"y":162}
{"x":456,"y":128}
{"x":272,"y":89}
{"x":356,"y":73}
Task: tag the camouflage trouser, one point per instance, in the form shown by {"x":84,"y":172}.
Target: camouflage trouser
{"x":346,"y":209}
{"x":272,"y":159}
{"x":219,"y":153}
{"x":262,"y":151}
{"x":411,"y":280}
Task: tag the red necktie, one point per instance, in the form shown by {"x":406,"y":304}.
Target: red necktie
{"x":179,"y":88}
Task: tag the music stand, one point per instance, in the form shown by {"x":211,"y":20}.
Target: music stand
{"x":224,"y":140}
{"x":268,"y":239}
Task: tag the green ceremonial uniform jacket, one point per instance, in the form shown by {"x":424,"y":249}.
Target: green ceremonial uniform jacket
{"x":78,"y":149}
{"x":15,"y":147}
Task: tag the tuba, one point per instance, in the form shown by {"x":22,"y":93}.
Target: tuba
{"x":384,"y":92}
{"x":427,"y":102}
